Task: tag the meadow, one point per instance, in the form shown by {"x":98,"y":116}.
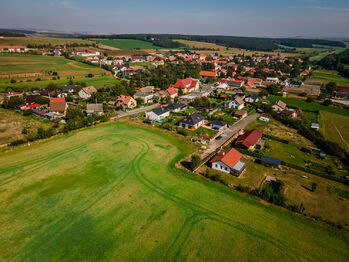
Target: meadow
{"x":335,"y":128}
{"x":128,"y":44}
{"x":296,"y":103}
{"x":329,"y":76}
{"x":42,"y":41}
{"x":111,"y":193}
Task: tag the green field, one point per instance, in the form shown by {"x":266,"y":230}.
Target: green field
{"x":98,"y":82}
{"x":293,"y":102}
{"x":42,"y":41}
{"x":335,"y":128}
{"x":329,"y":76}
{"x":110,"y":193}
{"x":129,"y":44}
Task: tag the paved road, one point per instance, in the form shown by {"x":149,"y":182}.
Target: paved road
{"x":135,"y":111}
{"x":229,"y":132}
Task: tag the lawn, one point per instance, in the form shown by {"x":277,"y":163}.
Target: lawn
{"x":293,"y":102}
{"x":329,"y":76}
{"x":42,"y":41}
{"x":129,"y":44}
{"x":98,"y":82}
{"x":110,"y":193}
{"x":335,"y":128}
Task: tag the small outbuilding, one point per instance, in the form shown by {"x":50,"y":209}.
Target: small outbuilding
{"x":270,"y":162}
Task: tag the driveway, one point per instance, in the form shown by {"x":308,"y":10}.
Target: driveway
{"x":229,"y":132}
{"x":135,"y":111}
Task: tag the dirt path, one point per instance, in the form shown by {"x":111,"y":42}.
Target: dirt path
{"x":75,"y":65}
{"x":340,"y":135}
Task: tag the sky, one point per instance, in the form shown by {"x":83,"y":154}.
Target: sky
{"x":260,"y":18}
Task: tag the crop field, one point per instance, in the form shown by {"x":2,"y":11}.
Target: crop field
{"x":293,"y":102}
{"x":203,"y":45}
{"x":110,"y":193}
{"x":335,"y":128}
{"x":128,"y":44}
{"x":42,"y":41}
{"x":98,"y":82}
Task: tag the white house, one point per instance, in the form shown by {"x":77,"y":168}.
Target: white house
{"x":237,"y":103}
{"x":229,"y":161}
{"x":192,"y":121}
{"x":273,"y":79}
{"x":158,"y":114}
{"x":147,"y":97}
{"x":87,"y":92}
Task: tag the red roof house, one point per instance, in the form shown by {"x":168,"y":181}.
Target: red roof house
{"x":172,"y":92}
{"x":208,"y":74}
{"x":187,"y":84}
{"x":228,"y":161}
{"x":249,"y":139}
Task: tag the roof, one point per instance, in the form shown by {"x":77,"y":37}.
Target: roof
{"x":57,"y":99}
{"x":171,"y":91}
{"x":240,"y":112}
{"x":187,"y":83}
{"x":57,"y":104}
{"x":280,"y":104}
{"x":208,"y":73}
{"x":124,"y":99}
{"x":250,"y":138}
{"x":174,"y":106}
{"x":67,"y":87}
{"x":271,"y":160}
{"x":230,"y":157}
{"x":239,"y":100}
{"x":160,"y":111}
{"x":286,"y":112}
{"x":12,"y":47}
{"x":192,"y":119}
{"x":94,"y":108}
{"x":90,"y":90}
{"x":218,"y":123}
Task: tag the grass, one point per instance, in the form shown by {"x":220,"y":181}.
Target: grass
{"x":98,"y":82}
{"x":111,"y":193}
{"x":41,"y":41}
{"x":293,"y":102}
{"x":329,"y":76}
{"x":335,"y":128}
{"x":339,"y":192}
{"x":129,"y":44}
{"x":203,"y":45}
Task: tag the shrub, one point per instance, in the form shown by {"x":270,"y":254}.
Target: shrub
{"x":195,"y":162}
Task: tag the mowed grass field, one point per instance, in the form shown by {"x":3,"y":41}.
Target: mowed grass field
{"x":329,"y":76}
{"x":98,"y":82}
{"x":110,"y":193}
{"x":129,"y":44}
{"x":335,"y":128}
{"x":42,"y":41}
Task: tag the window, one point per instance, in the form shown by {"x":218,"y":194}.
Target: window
{"x":226,"y":168}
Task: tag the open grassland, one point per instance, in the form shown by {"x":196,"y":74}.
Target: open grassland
{"x":98,"y":82}
{"x":329,"y":76}
{"x":128,"y":44}
{"x":296,"y":103}
{"x":42,"y":41}
{"x":335,"y":128}
{"x":203,"y":45}
{"x":21,"y":63}
{"x":111,"y":194}
{"x":12,"y":124}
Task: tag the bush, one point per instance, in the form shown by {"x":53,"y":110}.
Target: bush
{"x":18,"y":142}
{"x":195,"y":162}
{"x":183,"y":131}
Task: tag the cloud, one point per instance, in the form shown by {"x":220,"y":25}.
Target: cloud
{"x":68,"y":4}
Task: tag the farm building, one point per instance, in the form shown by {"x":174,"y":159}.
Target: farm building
{"x":229,"y":161}
{"x":249,"y":139}
{"x":270,"y":162}
{"x":192,"y":121}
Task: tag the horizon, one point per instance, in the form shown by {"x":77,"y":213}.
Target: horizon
{"x":270,"y":19}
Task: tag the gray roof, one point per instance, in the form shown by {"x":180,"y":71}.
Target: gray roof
{"x":91,"y":108}
{"x":192,"y":119}
{"x":174,"y":106}
{"x":271,"y":160}
{"x":218,"y":123}
{"x":160,"y":111}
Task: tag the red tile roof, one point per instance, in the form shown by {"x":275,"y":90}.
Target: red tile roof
{"x":172,"y":91}
{"x":208,"y":74}
{"x":230,"y":157}
{"x":250,"y":138}
{"x":186,"y":83}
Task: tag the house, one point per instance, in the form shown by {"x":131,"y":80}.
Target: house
{"x":58,"y":105}
{"x":235,"y":83}
{"x":172,"y":92}
{"x":208,"y":74}
{"x":187,"y":84}
{"x":13,"y":48}
{"x":87,"y":92}
{"x":30,"y":99}
{"x":278,"y":106}
{"x":236,"y":103}
{"x":46,"y":92}
{"x":315,"y":126}
{"x":218,"y":124}
{"x":187,"y":99}
{"x":86,"y":53}
{"x":251,"y":98}
{"x":274,"y":80}
{"x":240,"y":114}
{"x":126,"y":102}
{"x":288,"y":113}
{"x":146,"y":89}
{"x":158,"y":114}
{"x":264,"y":119}
{"x":229,"y":161}
{"x":94,"y":109}
{"x":68,"y":89}
{"x":146,"y":97}
{"x":270,"y":162}
{"x":249,"y":139}
{"x":176,"y":107}
{"x":192,"y":121}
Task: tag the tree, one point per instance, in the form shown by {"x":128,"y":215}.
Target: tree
{"x":155,"y":99}
{"x":327,"y":102}
{"x":41,"y":100}
{"x":313,"y":187}
{"x":331,"y":87}
{"x":195,"y":162}
{"x":168,"y":100}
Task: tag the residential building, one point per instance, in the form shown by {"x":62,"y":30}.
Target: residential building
{"x":172,"y":92}
{"x":193,"y":121}
{"x":58,"y":105}
{"x":249,"y":139}
{"x":278,"y":106}
{"x":87,"y":92}
{"x":187,"y":84}
{"x":176,"y":107}
{"x":158,"y":114}
{"x":209,"y":74}
{"x":147,"y":97}
{"x":237,"y":103}
{"x":218,"y":124}
{"x":229,"y":161}
{"x":240,"y":114}
{"x":126,"y":102}
{"x":251,"y":98}
{"x":94,"y":109}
